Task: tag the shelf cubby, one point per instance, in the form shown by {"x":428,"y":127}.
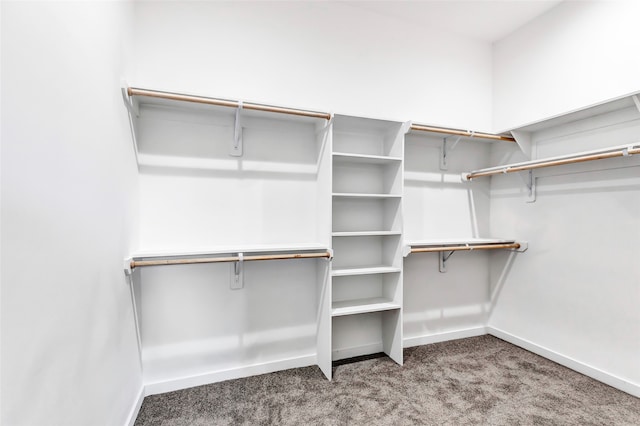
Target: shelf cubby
{"x":364,"y":136}
{"x":366,"y":214}
{"x":364,"y":251}
{"x":367,"y":178}
{"x":357,"y":294}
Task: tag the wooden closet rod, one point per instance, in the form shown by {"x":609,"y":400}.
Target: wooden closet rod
{"x":466,"y":133}
{"x":137,"y":263}
{"x":132,"y":91}
{"x":466,"y":247}
{"x":552,"y":162}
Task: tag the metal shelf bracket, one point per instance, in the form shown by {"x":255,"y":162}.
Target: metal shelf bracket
{"x":636,"y":101}
{"x":236,"y":147}
{"x":444,"y":151}
{"x":237,"y":273}
{"x":529,"y":179}
{"x":443,"y":257}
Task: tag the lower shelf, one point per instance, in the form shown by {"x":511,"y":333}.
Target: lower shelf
{"x":362,"y":306}
{"x":426,"y":246}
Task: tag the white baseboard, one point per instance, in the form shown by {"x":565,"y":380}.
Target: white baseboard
{"x":443,"y":337}
{"x":587,"y":370}
{"x":355,"y":351}
{"x":135,"y":409}
{"x":307,"y":360}
{"x":232,"y":373}
{"x":408,"y":342}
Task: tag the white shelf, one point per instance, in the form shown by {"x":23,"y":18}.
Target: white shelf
{"x":205,"y":103}
{"x":364,"y":233}
{"x":362,"y":306}
{"x":349,"y":158}
{"x":220,"y":250}
{"x":622,"y":102}
{"x":361,"y":195}
{"x":364,"y":270}
{"x":460,"y":243}
{"x":457,"y":241}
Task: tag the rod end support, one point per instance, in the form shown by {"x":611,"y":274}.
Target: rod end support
{"x":129,"y":264}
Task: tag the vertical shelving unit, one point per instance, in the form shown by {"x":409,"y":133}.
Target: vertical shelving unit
{"x":366,"y":291}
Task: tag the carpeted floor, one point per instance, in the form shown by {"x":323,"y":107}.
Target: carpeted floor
{"x":475,"y":381}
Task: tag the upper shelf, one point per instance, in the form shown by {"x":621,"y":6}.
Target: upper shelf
{"x":342,"y":124}
{"x":470,"y":134}
{"x":624,"y":102}
{"x":138,"y":96}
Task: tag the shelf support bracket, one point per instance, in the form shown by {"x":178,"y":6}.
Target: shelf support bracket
{"x":444,"y":151}
{"x":131,"y":105}
{"x":636,"y":101}
{"x":127,"y":266}
{"x":523,"y":139}
{"x":326,"y":126}
{"x":443,"y":257}
{"x":237,"y":273}
{"x":530,"y":183}
{"x":133,"y":111}
{"x":236,"y":148}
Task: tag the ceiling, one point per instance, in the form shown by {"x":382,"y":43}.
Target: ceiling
{"x":486,"y":20}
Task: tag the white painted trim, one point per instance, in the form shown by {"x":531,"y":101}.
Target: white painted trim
{"x":355,"y":351}
{"x":135,"y":409}
{"x":232,"y":373}
{"x":580,"y":367}
{"x":408,"y":342}
{"x":444,"y":337}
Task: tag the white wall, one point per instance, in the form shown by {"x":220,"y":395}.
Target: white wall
{"x":438,"y":205}
{"x":69,"y":351}
{"x":316,"y":55}
{"x":577,"y":54}
{"x":567,"y":296}
{"x":193,"y":195}
{"x":69,"y":185}
{"x":573,"y":295}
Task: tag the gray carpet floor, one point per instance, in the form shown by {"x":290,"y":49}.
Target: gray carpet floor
{"x":475,"y":381}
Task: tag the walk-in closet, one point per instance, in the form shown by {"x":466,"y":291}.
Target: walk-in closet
{"x":320,"y":212}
